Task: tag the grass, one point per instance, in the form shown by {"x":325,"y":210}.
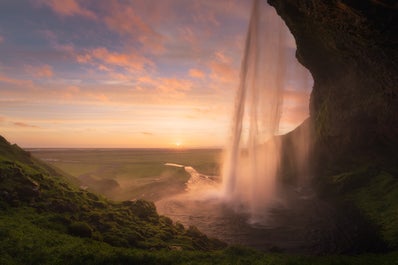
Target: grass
{"x":374,"y":191}
{"x":140,"y":173}
{"x":23,"y":241}
{"x":45,"y":219}
{"x":379,"y":201}
{"x":55,"y":204}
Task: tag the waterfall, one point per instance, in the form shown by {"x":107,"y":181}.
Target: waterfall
{"x":253,"y":154}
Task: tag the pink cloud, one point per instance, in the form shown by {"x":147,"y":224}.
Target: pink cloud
{"x":196,"y":73}
{"x":68,"y":8}
{"x":1,"y":39}
{"x":40,"y":71}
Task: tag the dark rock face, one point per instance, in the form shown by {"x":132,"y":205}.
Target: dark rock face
{"x":350,"y":47}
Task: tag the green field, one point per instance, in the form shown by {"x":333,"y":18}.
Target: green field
{"x":124,"y":174}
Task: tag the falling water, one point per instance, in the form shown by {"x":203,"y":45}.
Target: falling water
{"x":253,"y":155}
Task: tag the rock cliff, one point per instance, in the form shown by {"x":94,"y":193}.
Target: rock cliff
{"x":350,"y":47}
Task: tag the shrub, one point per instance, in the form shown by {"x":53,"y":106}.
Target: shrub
{"x":80,"y":229}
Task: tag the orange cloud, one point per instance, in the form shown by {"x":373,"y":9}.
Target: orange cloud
{"x":222,"y":69}
{"x":196,"y":73}
{"x":105,"y":59}
{"x":123,"y":19}
{"x":188,"y":35}
{"x":173,"y":87}
{"x":222,"y":58}
{"x":24,"y":125}
{"x":40,"y":71}
{"x":222,"y":72}
{"x":100,"y":97}
{"x":68,"y":8}
{"x":205,"y":15}
{"x":70,"y":92}
{"x":18,"y":82}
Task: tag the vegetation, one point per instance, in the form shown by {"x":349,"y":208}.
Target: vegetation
{"x":26,"y":241}
{"x":374,"y":191}
{"x":27,"y":185}
{"x":123,"y":174}
{"x":46,"y":219}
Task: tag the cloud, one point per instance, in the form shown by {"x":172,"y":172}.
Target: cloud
{"x":196,"y":73}
{"x":222,"y":58}
{"x":222,"y":68}
{"x":105,"y":60}
{"x":205,"y":15}
{"x":13,"y":81}
{"x":68,"y":8}
{"x":187,"y":34}
{"x":40,"y":71}
{"x":123,"y":19}
{"x":24,"y":125}
{"x":222,"y":72}
{"x":1,"y":39}
{"x":147,"y":133}
{"x":70,"y":92}
{"x":172,"y":87}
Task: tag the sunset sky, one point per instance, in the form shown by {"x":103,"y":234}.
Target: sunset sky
{"x":124,"y":73}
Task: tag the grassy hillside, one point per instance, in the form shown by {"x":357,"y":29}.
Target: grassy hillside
{"x":56,"y":204}
{"x":46,"y":219}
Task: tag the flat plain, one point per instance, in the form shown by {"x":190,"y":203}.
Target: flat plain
{"x":125,"y":174}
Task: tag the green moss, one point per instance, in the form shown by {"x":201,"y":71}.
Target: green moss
{"x":322,"y":119}
{"x":374,"y":192}
{"x":378,"y":199}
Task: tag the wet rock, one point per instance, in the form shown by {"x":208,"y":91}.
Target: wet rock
{"x":350,"y":49}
